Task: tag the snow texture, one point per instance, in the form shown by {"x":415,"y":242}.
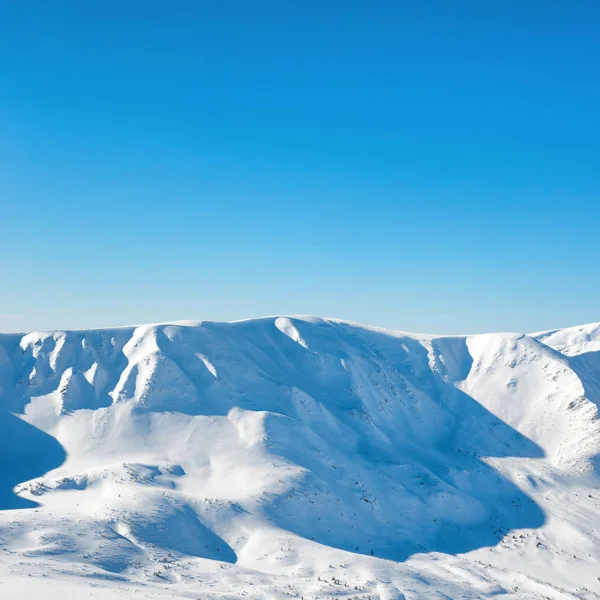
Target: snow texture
{"x":299,"y":457}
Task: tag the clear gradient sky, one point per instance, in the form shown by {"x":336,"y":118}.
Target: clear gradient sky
{"x":430,"y":166}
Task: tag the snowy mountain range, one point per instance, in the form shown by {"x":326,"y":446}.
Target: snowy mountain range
{"x":299,"y":457}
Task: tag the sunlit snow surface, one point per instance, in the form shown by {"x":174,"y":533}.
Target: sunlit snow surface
{"x":299,"y":457}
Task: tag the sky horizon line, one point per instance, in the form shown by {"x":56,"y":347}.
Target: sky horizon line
{"x":192,"y":322}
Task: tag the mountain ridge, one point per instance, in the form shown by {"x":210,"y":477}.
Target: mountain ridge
{"x":594,"y":326}
{"x":196,"y":444}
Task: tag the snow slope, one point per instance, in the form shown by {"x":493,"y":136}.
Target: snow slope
{"x":299,"y":457}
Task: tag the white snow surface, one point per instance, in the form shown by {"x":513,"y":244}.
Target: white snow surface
{"x":299,"y":457}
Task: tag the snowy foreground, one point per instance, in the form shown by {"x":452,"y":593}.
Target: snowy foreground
{"x":299,"y":457}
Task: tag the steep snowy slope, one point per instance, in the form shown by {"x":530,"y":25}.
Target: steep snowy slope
{"x":299,"y":457}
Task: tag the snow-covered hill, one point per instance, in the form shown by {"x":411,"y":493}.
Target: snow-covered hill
{"x":299,"y":457}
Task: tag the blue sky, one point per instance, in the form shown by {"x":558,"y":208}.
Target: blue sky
{"x":427,"y":166}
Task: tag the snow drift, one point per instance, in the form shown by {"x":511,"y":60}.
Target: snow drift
{"x":301,"y":456}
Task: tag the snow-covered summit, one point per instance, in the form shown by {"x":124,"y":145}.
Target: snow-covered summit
{"x":245,"y":458}
{"x":573,"y":340}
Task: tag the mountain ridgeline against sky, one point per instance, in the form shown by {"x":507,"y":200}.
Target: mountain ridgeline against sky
{"x":278,"y":445}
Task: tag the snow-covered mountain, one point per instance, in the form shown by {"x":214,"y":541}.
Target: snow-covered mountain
{"x":299,"y":457}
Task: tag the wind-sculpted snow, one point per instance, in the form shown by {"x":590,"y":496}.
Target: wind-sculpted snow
{"x":277,"y":446}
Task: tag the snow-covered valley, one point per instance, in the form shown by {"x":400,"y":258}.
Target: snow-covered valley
{"x":299,"y":457}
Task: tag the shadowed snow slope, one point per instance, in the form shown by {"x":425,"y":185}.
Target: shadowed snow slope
{"x":299,"y":456}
